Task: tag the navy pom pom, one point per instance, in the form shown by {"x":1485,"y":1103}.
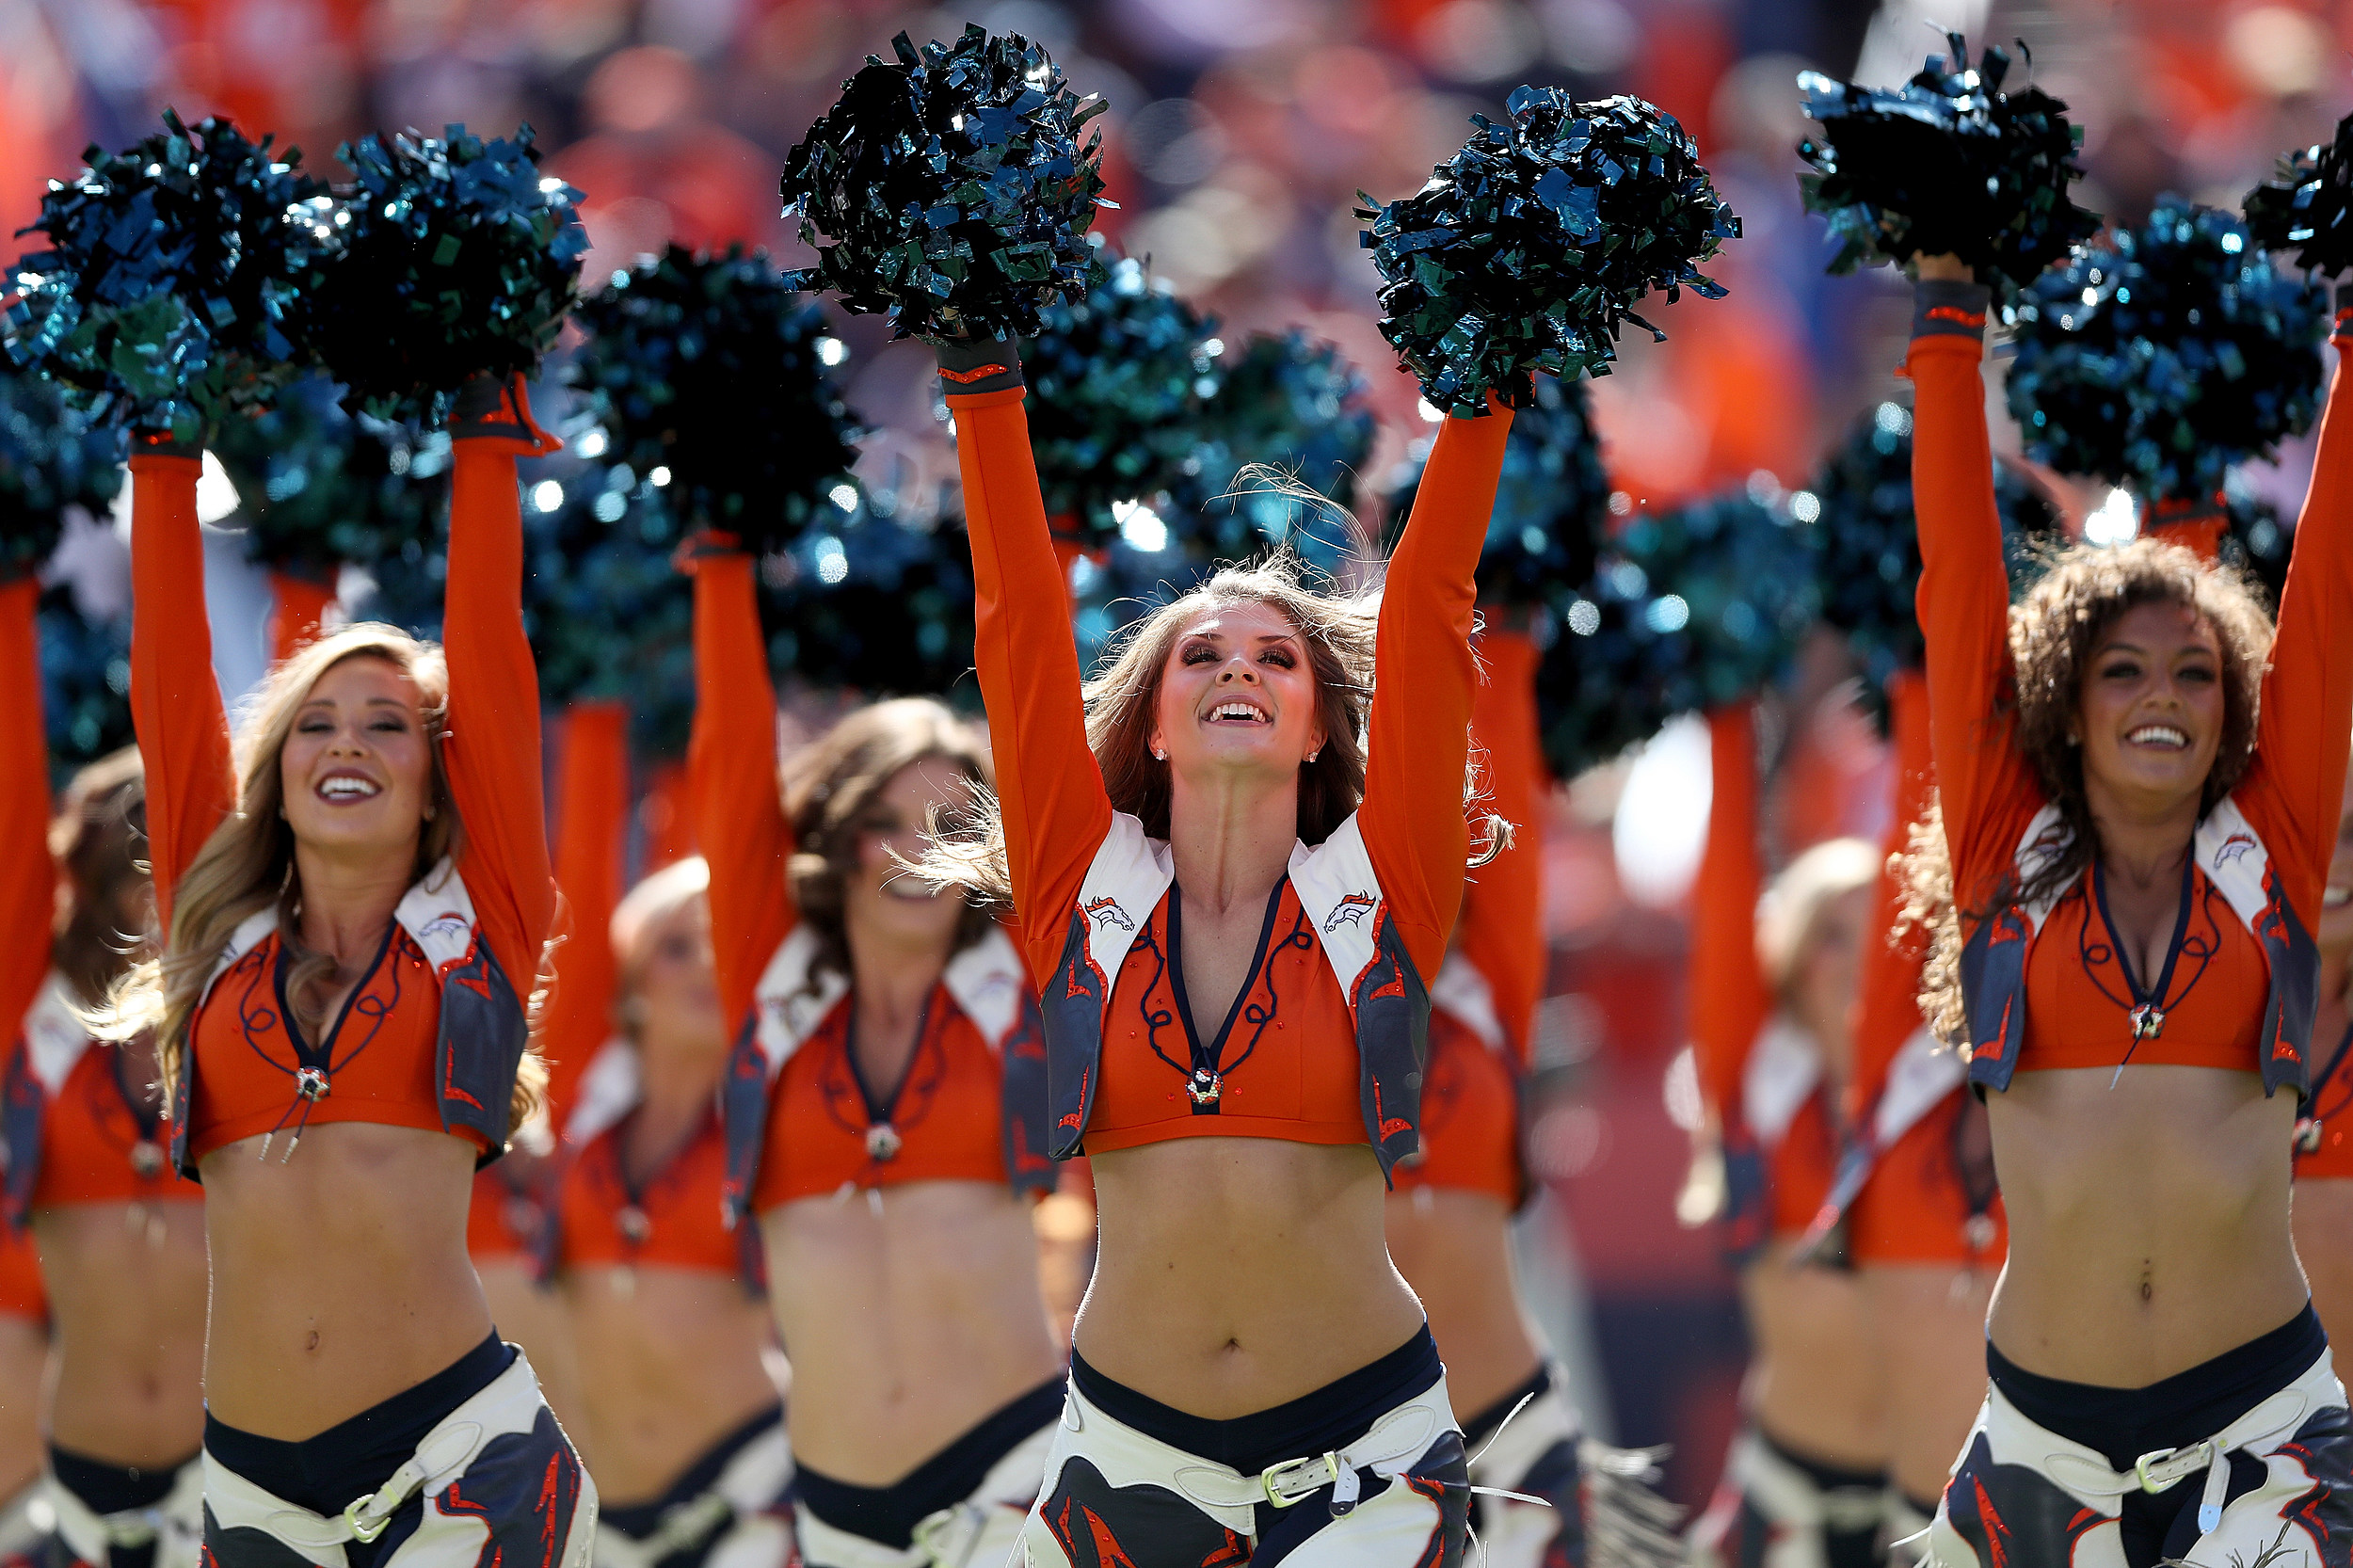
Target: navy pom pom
{"x":1948,"y":163}
{"x":317,"y":486}
{"x":1552,"y":504}
{"x":85,"y":683}
{"x":1528,"y":250}
{"x":458,"y":260}
{"x":956,"y":186}
{"x":707,"y":367}
{"x":879,"y":607}
{"x":51,"y":458}
{"x":175,"y":286}
{"x":2307,"y":206}
{"x":2160,"y":356}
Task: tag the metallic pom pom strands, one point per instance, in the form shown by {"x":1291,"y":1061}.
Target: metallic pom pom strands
{"x":458,"y":260}
{"x":876,"y":604}
{"x":956,"y":186}
{"x":2307,"y":206}
{"x":1687,"y":610}
{"x":1552,"y":504}
{"x":317,"y":486}
{"x":1528,"y":249}
{"x":51,"y":458}
{"x":176,"y":278}
{"x":695,"y":364}
{"x":2162,"y":355}
{"x":1118,"y":384}
{"x":1946,"y":163}
{"x":85,"y":683}
{"x":1868,"y":556}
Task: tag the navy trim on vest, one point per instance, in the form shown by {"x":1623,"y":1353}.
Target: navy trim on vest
{"x":23,"y":1107}
{"x":743,"y":1118}
{"x":1074,"y":1002}
{"x":1022,"y":1071}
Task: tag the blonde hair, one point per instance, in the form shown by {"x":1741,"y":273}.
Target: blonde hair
{"x":827,"y":787}
{"x":247,"y":865}
{"x":94,"y":840}
{"x":655,"y":899}
{"x":1791,"y":912}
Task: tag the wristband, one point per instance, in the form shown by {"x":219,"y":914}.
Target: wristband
{"x":971,"y":365}
{"x":1943,"y":306}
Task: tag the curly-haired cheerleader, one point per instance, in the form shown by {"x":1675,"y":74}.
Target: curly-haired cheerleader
{"x":681,"y":1420}
{"x":2140,"y":785}
{"x":122,"y":1236}
{"x":354,"y":925}
{"x":2324,"y":1136}
{"x":1233,"y":872}
{"x":884,"y":1112}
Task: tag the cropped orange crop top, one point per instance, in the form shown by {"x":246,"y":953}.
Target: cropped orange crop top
{"x":77,"y":1129}
{"x":800,"y":1119}
{"x":432,"y":1037}
{"x":2043,"y":984}
{"x":1327,"y":1042}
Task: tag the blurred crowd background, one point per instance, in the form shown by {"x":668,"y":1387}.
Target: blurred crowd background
{"x":1239,"y":134}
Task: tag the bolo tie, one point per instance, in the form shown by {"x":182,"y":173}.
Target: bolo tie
{"x":2145,"y":1019}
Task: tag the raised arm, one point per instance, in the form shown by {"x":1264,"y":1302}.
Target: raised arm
{"x":493,"y":745}
{"x":1417,"y":736}
{"x":739,"y":814}
{"x":29,"y":878}
{"x":1730,"y":1001}
{"x":1887,"y":1007}
{"x":1048,"y":785}
{"x":1987,"y":789}
{"x":1502,"y":930}
{"x":175,"y":700}
{"x":2293,"y":790}
{"x":591,"y":811}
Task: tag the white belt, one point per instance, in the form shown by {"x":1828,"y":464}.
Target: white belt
{"x":2163,"y":1468}
{"x":1400,"y":1434}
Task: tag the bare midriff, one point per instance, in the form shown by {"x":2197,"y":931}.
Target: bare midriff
{"x":2147,"y":1219}
{"x":1454,"y":1248}
{"x":126,"y":1289}
{"x":912,"y":1314}
{"x":340,"y":1276}
{"x":1233,"y":1275}
{"x":1812,"y":1385}
{"x":678,"y":1367}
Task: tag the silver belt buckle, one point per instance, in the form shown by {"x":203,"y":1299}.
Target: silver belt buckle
{"x":2202,"y":1453}
{"x":361,"y":1531}
{"x":1295,"y":1481}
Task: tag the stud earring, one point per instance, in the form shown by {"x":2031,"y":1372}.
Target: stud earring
{"x":1158,"y":755}
{"x":1313,"y":755}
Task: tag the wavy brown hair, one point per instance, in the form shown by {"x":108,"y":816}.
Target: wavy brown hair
{"x":97,"y":839}
{"x":2052,"y":632}
{"x":829,"y":788}
{"x":247,"y":865}
{"x":968,"y":848}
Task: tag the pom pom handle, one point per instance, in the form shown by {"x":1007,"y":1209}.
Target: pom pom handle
{"x":489,"y":408}
{"x":970,"y":366}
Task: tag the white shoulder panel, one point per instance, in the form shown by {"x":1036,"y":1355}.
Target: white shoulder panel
{"x":610,"y":1088}
{"x":788,"y":1012}
{"x":988,"y":980}
{"x":1462,"y":993}
{"x":1342,"y":900}
{"x":1782,"y":1069}
{"x":1124,"y":883}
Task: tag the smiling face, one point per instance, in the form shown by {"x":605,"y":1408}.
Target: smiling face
{"x":2148,"y":708}
{"x":880,"y":898}
{"x":357,"y":770}
{"x":1237,"y":695}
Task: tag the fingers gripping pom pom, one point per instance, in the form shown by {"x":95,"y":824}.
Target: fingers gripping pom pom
{"x":175,"y":283}
{"x":1118,"y":382}
{"x":1688,"y":610}
{"x":458,"y":260}
{"x":51,"y":458}
{"x":955,"y":186}
{"x":2164,"y":353}
{"x":1528,"y":249}
{"x":1946,"y":163}
{"x":1869,"y":558}
{"x":1552,"y":504}
{"x":709,"y":367}
{"x":2307,"y":206}
{"x":317,"y":486}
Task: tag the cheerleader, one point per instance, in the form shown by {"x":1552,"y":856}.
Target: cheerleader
{"x":1233,"y":872}
{"x":354,"y":925}
{"x":1449,"y":1212}
{"x":24,"y":1366}
{"x":682,"y":1420}
{"x":2138,"y":779}
{"x":121,"y":1235}
{"x":1773,"y":985}
{"x":884,"y":1109}
{"x":2324,"y":1135}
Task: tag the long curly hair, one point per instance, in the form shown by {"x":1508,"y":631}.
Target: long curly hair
{"x":97,"y":840}
{"x":2052,"y":632}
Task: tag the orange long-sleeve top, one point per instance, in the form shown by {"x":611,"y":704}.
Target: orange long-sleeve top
{"x":591,"y":814}
{"x":491,"y":754}
{"x":1887,"y":1004}
{"x":1501,"y":929}
{"x":29,"y":878}
{"x":2289,"y":797}
{"x":300,"y":611}
{"x":731,"y":772}
{"x":1730,"y":1000}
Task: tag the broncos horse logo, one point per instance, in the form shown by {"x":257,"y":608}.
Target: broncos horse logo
{"x":1106,"y":913}
{"x":1351,"y":910}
